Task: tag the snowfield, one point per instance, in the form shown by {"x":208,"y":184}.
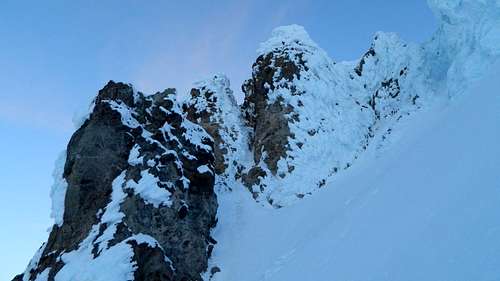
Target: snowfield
{"x":426,"y":207}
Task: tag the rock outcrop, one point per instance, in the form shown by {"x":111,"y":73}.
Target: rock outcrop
{"x":140,"y":201}
{"x":298,"y":100}
{"x":213,"y":107}
{"x":135,"y":192}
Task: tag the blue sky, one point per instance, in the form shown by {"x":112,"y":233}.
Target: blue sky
{"x":55,"y":55}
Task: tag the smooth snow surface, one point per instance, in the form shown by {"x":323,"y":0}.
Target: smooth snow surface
{"x":426,"y":207}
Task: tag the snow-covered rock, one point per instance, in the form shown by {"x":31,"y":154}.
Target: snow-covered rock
{"x":311,"y":117}
{"x":428,"y":208}
{"x":134,"y":196}
{"x":213,"y":106}
{"x":466,"y":44}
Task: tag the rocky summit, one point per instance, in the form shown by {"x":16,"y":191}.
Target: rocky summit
{"x":146,"y":181}
{"x":139,"y":186}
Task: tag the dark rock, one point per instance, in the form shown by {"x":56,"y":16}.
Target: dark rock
{"x":99,"y":152}
{"x":269,"y":120}
{"x":359,"y":67}
{"x":151,"y":263}
{"x":210,"y":104}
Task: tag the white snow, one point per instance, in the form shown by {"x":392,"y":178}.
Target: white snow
{"x":127,"y":114}
{"x":204,"y":169}
{"x":81,"y":116}
{"x":332,"y":100}
{"x":58,"y":190}
{"x":147,"y":188}
{"x":195,"y":134}
{"x":225,"y":112}
{"x":112,"y":264}
{"x":467,"y":42}
{"x":422,"y":204}
{"x":291,"y":35}
{"x":33,"y":262}
{"x":133,"y":157}
{"x":426,"y":208}
{"x":44,"y":276}
{"x":112,"y":212}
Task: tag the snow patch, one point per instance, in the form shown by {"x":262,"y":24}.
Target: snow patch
{"x":133,"y":158}
{"x":125,"y":112}
{"x":44,"y":276}
{"x":58,"y":190}
{"x":196,"y":135}
{"x":149,"y":190}
{"x":114,"y":263}
{"x":290,"y":35}
{"x":204,"y":169}
{"x":33,"y":262}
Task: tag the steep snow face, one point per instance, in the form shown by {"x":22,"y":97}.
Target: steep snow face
{"x":466,"y":44}
{"x":311,"y":118}
{"x":425,"y":209}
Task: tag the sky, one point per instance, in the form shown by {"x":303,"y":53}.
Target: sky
{"x":56,"y":55}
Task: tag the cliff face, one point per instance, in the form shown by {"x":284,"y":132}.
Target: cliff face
{"x":135,"y":192}
{"x":139,"y":187}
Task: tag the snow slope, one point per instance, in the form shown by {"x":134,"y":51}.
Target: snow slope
{"x":426,"y":207}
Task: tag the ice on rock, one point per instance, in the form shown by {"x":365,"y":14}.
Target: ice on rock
{"x":290,"y":35}
{"x":213,"y":106}
{"x":308,"y":125}
{"x":466,"y":44}
{"x":342,"y":105}
{"x":58,"y":190}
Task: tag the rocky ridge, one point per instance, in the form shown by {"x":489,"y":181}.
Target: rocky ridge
{"x":135,"y":195}
{"x":140,"y":188}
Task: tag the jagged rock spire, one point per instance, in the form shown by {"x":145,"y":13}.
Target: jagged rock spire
{"x":134,"y":196}
{"x":140,"y":202}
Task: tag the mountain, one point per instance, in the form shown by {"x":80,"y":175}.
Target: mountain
{"x":424,"y":207}
{"x":382,"y":168}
